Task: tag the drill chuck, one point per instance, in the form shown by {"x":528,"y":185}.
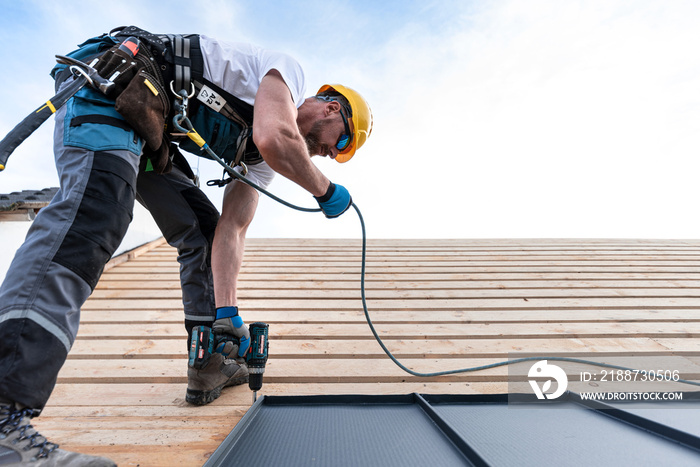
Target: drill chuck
{"x":255,"y":378}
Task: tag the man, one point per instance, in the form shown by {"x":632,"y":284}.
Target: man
{"x":241,"y":90}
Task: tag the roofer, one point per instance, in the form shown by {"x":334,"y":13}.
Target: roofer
{"x":98,"y":144}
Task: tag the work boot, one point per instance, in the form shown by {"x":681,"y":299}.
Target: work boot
{"x":20,"y":444}
{"x":205,"y":385}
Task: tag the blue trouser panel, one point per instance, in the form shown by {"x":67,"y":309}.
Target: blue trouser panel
{"x":67,"y":246}
{"x":187,"y":220}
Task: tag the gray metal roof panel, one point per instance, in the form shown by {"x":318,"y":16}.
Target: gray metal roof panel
{"x":453,"y":430}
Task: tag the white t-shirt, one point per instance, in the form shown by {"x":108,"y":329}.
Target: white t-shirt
{"x":238,"y":69}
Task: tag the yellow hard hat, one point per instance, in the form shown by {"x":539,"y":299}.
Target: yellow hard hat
{"x":361,"y":119}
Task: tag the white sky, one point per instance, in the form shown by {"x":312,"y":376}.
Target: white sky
{"x":538,"y":118}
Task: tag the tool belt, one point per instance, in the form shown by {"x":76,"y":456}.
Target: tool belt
{"x":148,"y":92}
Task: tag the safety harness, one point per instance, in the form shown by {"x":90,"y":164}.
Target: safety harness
{"x":219,"y":116}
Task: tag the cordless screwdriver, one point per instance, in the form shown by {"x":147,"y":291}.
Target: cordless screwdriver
{"x":204,"y":343}
{"x":257,"y":356}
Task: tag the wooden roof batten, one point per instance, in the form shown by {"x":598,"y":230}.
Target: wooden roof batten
{"x":437,"y":304}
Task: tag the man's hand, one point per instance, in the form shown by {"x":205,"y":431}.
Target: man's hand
{"x":335,"y":202}
{"x":228,"y":322}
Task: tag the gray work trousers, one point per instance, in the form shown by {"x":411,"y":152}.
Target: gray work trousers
{"x":58,"y":266}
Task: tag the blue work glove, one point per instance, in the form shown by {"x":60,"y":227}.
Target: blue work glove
{"x":336,"y":201}
{"x":229,"y":323}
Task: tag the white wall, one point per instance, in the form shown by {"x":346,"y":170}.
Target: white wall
{"x":141,"y":230}
{"x":11,"y":236}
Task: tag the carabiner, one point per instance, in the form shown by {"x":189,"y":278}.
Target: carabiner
{"x":178,"y":95}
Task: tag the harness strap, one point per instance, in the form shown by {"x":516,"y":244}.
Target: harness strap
{"x":181,"y":59}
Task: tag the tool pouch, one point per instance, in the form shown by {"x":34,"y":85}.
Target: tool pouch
{"x":141,"y":99}
{"x":144,"y":105}
{"x":118,"y":67}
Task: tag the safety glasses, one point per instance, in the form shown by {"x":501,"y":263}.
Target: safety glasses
{"x":346,"y":138}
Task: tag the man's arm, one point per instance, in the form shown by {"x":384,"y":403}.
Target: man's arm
{"x":239,"y":205}
{"x":277,"y":136}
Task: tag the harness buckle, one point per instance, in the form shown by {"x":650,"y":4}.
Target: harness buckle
{"x":225,"y":181}
{"x":244,"y":168}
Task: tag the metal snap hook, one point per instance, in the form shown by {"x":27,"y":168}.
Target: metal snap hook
{"x":172,"y":88}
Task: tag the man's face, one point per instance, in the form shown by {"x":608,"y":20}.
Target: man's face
{"x":327,"y":134}
{"x":318,"y":142}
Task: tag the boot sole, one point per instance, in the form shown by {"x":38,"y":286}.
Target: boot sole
{"x":205,"y":397}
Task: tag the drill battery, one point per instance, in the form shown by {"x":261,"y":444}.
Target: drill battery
{"x":204,"y":342}
{"x":201,"y":347}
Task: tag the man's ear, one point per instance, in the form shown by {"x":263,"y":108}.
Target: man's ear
{"x":331,"y":107}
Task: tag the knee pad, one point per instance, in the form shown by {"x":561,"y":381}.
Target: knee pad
{"x":102,"y":218}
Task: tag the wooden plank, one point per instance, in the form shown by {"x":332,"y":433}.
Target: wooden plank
{"x":437,"y":331}
{"x":300,"y":243}
{"x":273,"y":316}
{"x":129,"y":429}
{"x":312,"y":370}
{"x":407,"y":293}
{"x":173,"y":277}
{"x":270,"y":284}
{"x":681,"y":345}
{"x":275,"y":258}
{"x":167,"y":399}
{"x":456,"y":260}
{"x":175,"y":348}
{"x":165,"y":455}
{"x":447,"y":262}
{"x":417,"y":268}
{"x":416,"y":304}
{"x":399,"y":245}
